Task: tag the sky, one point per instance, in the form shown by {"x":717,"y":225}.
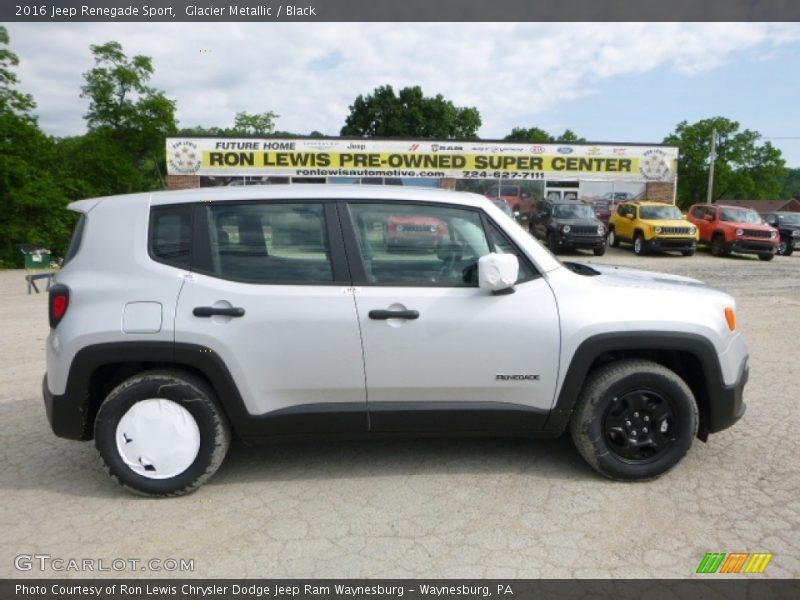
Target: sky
{"x":608,"y":82}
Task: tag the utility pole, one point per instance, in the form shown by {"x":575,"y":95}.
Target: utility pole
{"x":712,"y":159}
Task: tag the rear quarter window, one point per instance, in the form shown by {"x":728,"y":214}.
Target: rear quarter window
{"x":75,"y":242}
{"x":170,"y":235}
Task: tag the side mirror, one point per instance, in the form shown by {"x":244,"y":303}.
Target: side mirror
{"x":498,"y":272}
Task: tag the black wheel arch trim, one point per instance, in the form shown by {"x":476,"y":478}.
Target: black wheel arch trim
{"x":72,"y":414}
{"x":720,"y":406}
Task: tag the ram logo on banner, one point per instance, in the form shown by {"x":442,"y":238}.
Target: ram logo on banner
{"x":385,"y":158}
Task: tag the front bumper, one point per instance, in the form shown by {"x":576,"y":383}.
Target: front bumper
{"x":753,"y":246}
{"x":726,"y":404}
{"x":567,"y":240}
{"x":667,"y":244}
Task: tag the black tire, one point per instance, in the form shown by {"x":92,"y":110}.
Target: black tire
{"x":552,"y":245}
{"x":639,"y":245}
{"x":718,"y":245}
{"x":613,"y":240}
{"x":621,"y":446}
{"x":600,"y":251}
{"x":766,"y":257}
{"x":687,"y":252}
{"x":187,"y":391}
{"x":785,"y":247}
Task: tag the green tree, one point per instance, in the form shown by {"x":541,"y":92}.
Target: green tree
{"x":32,"y":200}
{"x":410,"y":114}
{"x":791,"y":184}
{"x":537,"y":135}
{"x":744,"y":169}
{"x":125,"y":111}
{"x":244,"y":124}
{"x":262,"y":124}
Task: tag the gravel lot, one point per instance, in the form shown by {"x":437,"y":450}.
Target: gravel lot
{"x":425,"y":508}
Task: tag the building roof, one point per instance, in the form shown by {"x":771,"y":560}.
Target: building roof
{"x":762,"y":206}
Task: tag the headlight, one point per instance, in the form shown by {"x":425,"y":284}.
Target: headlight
{"x":399,"y":228}
{"x":739,"y":232}
{"x":657,"y":230}
{"x":566,"y":229}
{"x":601,"y":230}
{"x":693,"y":230}
{"x":773,"y":235}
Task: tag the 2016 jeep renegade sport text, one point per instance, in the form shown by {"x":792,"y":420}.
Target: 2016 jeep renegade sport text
{"x":183,"y":318}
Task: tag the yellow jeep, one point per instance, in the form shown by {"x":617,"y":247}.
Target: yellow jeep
{"x":652,"y":226}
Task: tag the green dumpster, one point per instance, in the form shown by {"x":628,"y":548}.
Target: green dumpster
{"x":36,"y":257}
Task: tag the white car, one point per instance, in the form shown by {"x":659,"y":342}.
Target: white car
{"x":182,"y":318}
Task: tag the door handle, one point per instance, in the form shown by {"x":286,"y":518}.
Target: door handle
{"x":210,"y":311}
{"x":393,"y":314}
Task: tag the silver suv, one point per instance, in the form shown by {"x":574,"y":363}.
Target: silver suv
{"x":182,"y":318}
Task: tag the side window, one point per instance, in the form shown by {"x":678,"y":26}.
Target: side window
{"x":171,"y":235}
{"x":622,"y":209}
{"x":268,"y":242}
{"x":698,"y":212}
{"x":419,"y":244}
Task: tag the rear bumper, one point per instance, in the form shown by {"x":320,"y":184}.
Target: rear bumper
{"x":66,"y":414}
{"x":726,"y":404}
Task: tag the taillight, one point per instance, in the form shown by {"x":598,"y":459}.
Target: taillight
{"x":58,"y":303}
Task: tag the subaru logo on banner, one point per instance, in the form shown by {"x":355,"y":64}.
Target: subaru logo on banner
{"x":565,"y":150}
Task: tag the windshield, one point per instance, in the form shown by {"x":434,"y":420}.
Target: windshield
{"x":660,"y":212}
{"x":789,"y":218}
{"x":739,"y":215}
{"x":572,"y":211}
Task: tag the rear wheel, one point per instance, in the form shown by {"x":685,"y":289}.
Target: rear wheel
{"x":161,"y":433}
{"x":639,"y":247}
{"x":634,"y":419}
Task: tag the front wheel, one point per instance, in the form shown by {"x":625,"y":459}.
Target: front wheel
{"x":718,"y":245}
{"x":552,"y":244}
{"x":613,"y":241}
{"x":634,"y":419}
{"x":639,"y":247}
{"x":600,"y":251}
{"x":766,"y":257}
{"x":161,"y":433}
{"x":687,"y":252}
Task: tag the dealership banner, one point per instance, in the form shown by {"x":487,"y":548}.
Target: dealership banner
{"x":326,"y":157}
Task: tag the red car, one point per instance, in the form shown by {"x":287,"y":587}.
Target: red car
{"x":518,"y":199}
{"x":413,"y":231}
{"x":729,"y":229}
